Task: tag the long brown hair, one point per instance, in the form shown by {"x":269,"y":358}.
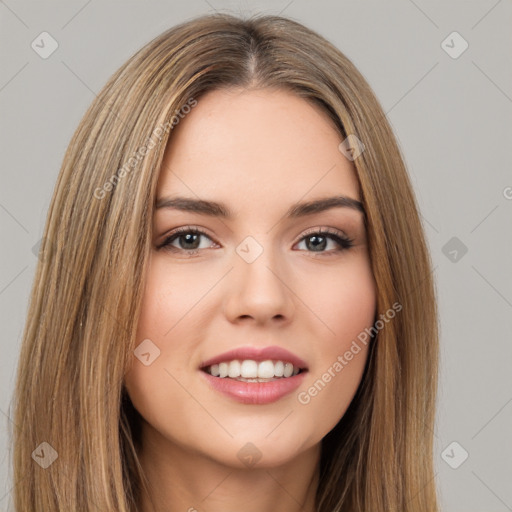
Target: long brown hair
{"x":79,"y":336}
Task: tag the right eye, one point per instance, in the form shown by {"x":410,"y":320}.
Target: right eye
{"x":188,"y":239}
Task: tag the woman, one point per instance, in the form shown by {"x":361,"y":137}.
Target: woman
{"x":235,"y":306}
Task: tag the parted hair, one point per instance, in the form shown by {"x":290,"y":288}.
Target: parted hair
{"x":79,"y":334}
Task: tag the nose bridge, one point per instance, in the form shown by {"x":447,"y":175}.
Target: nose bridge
{"x":258,"y":281}
{"x":257,"y":261}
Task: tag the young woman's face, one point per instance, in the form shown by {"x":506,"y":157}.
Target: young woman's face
{"x":269,"y":285}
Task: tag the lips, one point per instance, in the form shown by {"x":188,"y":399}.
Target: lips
{"x":255,"y":393}
{"x":258,"y":391}
{"x":257,"y":354}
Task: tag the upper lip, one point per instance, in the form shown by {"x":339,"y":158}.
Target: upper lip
{"x":274,"y":353}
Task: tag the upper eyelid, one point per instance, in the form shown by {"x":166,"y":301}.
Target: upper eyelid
{"x":188,"y":229}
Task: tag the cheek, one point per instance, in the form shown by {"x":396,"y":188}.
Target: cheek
{"x":343,"y":300}
{"x":345,"y":303}
{"x":171,"y":299}
{"x":165,"y":301}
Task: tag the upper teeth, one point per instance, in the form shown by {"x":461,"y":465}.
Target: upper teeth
{"x":252,"y":369}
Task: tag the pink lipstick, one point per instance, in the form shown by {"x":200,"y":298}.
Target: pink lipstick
{"x":253,"y":375}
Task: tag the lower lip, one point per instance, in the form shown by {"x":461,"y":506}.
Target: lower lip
{"x":255,"y":392}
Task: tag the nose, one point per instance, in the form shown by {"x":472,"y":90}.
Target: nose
{"x":260,"y":290}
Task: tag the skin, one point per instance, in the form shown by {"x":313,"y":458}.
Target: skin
{"x":258,"y":152}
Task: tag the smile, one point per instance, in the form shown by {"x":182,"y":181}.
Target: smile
{"x":254,"y":375}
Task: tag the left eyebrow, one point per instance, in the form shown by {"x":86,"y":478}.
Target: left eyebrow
{"x":215,"y":209}
{"x":320,"y":205}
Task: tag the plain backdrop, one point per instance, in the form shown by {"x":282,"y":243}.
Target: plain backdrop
{"x":450,"y":107}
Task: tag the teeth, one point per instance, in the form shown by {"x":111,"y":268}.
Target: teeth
{"x":234,"y":369}
{"x":288,"y":370}
{"x":252,"y":371}
{"x":223,"y":369}
{"x":266,"y":370}
{"x":248,"y":369}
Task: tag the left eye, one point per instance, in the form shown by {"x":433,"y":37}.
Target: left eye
{"x":318,"y":240}
{"x":190,"y":238}
{"x":189,"y":241}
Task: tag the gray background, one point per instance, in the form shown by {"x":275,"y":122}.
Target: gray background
{"x":452,"y":117}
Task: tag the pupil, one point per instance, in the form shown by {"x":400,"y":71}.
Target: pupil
{"x":320,"y":244}
{"x":188,"y":238}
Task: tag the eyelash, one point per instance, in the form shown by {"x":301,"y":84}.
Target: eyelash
{"x":343,"y":241}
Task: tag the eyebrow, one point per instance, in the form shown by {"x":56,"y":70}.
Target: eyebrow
{"x":215,"y":209}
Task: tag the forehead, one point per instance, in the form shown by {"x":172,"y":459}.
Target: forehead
{"x":258,"y":147}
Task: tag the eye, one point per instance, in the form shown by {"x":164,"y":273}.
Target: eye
{"x":188,"y":239}
{"x":317,"y":240}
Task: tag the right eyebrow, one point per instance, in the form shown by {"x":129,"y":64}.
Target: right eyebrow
{"x":216,"y":209}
